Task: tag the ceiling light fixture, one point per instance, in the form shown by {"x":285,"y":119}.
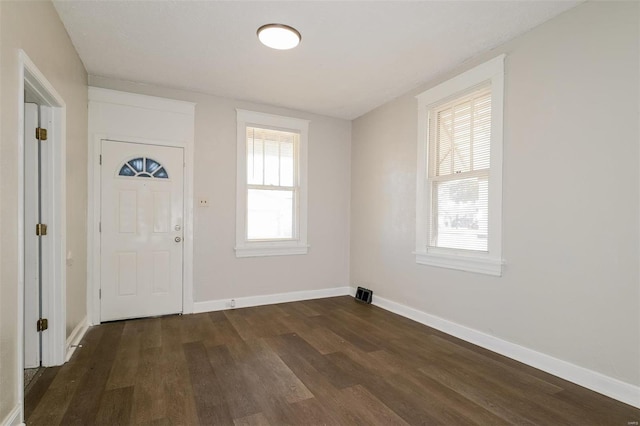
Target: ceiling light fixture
{"x":278,"y":36}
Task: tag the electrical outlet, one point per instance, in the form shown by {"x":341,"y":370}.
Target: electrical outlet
{"x":203,"y":202}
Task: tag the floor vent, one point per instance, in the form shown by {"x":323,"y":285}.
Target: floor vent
{"x":363,"y":295}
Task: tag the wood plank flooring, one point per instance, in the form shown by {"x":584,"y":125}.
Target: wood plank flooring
{"x":320,"y":362}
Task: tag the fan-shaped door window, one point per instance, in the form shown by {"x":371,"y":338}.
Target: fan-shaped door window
{"x":143,"y":167}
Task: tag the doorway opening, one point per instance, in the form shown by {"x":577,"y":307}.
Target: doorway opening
{"x":41,"y":320}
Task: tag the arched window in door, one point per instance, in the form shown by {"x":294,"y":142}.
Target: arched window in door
{"x":143,"y":167}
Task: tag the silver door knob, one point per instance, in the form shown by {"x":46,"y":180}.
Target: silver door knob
{"x":178,"y":239}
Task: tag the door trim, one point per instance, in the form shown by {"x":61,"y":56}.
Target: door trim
{"x":93,"y":267}
{"x":54,"y":289}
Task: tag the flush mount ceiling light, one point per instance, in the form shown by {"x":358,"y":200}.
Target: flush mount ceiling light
{"x":278,"y":36}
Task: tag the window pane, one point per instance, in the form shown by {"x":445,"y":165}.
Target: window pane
{"x":482,"y":132}
{"x":271,"y":163}
{"x":460,"y":211}
{"x":254,"y":160}
{"x":126,"y":171}
{"x":462,"y":137}
{"x":271,"y":157}
{"x":286,"y":164}
{"x":269,"y":214}
{"x":444,"y":143}
{"x":152,"y":165}
{"x":161,"y":173}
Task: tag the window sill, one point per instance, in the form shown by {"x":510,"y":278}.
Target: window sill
{"x":270,"y":249}
{"x":476,"y":264}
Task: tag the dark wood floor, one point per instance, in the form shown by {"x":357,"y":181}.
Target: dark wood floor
{"x":329,"y":361}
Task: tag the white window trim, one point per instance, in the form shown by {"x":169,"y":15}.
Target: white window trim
{"x":489,"y":262}
{"x":295,"y":246}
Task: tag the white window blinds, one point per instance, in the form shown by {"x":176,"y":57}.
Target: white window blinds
{"x":459,"y":151}
{"x":270,"y":157}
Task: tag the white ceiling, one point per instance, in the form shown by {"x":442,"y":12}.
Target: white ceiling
{"x":354,"y":55}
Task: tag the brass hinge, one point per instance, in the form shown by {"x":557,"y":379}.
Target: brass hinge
{"x":42,"y":324}
{"x":41,"y":134}
{"x":99,"y":293}
{"x":41,"y":229}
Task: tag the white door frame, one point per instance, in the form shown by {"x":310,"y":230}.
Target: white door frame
{"x":94,"y":208}
{"x":54,"y":287}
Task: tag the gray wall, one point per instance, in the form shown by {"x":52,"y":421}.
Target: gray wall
{"x":34,"y":26}
{"x":218,"y":274}
{"x":570,"y":287}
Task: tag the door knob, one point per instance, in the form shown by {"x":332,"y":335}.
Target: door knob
{"x":178,"y":239}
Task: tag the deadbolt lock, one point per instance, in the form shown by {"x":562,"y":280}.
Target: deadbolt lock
{"x":178,"y":239}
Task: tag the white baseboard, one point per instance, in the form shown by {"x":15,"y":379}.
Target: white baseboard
{"x":598,"y":382}
{"x":75,"y":337}
{"x":13,"y":418}
{"x":269,"y":299}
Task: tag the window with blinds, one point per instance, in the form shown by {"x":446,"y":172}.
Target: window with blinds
{"x":459,"y":189}
{"x":272,"y":189}
{"x":458,"y":173}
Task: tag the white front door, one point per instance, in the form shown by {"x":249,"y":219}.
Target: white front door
{"x":141,"y":230}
